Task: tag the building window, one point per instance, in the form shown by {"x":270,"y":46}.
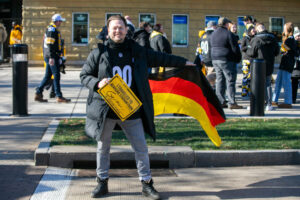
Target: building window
{"x":241,"y":28}
{"x":180,"y":30}
{"x":80,"y":23}
{"x":108,"y":15}
{"x":214,"y":18}
{"x":147,"y":17}
{"x":276,"y":26}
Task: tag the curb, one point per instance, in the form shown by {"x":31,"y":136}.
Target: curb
{"x":174,"y":156}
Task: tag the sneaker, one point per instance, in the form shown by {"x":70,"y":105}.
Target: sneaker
{"x":274,"y":103}
{"x":284,"y":105}
{"x":149,"y":190}
{"x":62,"y":100}
{"x":270,"y":108}
{"x":39,"y":98}
{"x":101,"y":189}
{"x":235,"y":106}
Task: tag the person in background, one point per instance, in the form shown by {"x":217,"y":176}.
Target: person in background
{"x":158,"y":41}
{"x":52,"y":51}
{"x":264,"y":46}
{"x":130,"y":26}
{"x":288,"y":52}
{"x":205,"y":52}
{"x":131,"y":61}
{"x":246,"y":61}
{"x":296,"y":70}
{"x":15,"y":34}
{"x":102,"y":35}
{"x":142,"y":35}
{"x":225,"y":53}
{"x":3,"y":36}
{"x":233,"y":30}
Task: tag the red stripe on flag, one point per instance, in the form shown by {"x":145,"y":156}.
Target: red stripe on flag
{"x":190,"y":90}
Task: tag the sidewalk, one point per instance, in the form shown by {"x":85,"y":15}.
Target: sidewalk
{"x":20,"y":136}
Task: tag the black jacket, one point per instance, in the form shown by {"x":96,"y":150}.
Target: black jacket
{"x":159,"y":43}
{"x":206,"y":47}
{"x":245,"y":42}
{"x":224,"y":46}
{"x":141,"y":36}
{"x":288,"y":58}
{"x":296,"y":70}
{"x":98,"y":66}
{"x":52,"y":42}
{"x":264,"y":46}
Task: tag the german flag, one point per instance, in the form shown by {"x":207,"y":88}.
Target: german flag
{"x":186,"y":91}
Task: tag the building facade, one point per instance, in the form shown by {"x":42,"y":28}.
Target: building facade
{"x":181,"y":20}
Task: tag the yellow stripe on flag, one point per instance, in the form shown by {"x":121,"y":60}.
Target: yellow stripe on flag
{"x":172,"y":103}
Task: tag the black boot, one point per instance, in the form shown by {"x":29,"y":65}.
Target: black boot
{"x":149,"y":190}
{"x":101,"y":189}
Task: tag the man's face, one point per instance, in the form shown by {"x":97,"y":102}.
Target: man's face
{"x":57,"y":23}
{"x":117,"y":31}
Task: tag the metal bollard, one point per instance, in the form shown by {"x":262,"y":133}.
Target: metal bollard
{"x":258,"y":87}
{"x":20,"y":79}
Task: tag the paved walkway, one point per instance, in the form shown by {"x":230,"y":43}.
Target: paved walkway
{"x":20,"y":136}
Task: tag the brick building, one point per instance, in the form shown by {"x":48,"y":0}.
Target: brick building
{"x":181,"y":20}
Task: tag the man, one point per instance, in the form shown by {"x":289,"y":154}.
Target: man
{"x":142,"y":35}
{"x":225,"y":53}
{"x":264,"y":46}
{"x":130,"y":60}
{"x":158,"y":41}
{"x":205,"y":54}
{"x":52,"y":51}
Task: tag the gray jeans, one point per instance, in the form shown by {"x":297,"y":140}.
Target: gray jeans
{"x":134,"y":132}
{"x":226,"y":73}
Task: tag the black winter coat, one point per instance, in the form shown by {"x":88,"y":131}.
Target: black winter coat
{"x":296,"y":70}
{"x":158,"y":42}
{"x":264,"y":46}
{"x":141,"y":36}
{"x":245,"y":42}
{"x":98,"y":66}
{"x":288,"y":59}
{"x":224,"y":46}
{"x":206,"y":48}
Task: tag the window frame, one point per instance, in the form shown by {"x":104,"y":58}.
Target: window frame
{"x":88,"y":28}
{"x":147,"y":14}
{"x":270,"y":22}
{"x":188,"y":23}
{"x":111,"y":13}
{"x":210,"y":16}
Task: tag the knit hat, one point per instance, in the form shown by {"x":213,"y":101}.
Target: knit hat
{"x":296,"y":31}
{"x":57,"y":17}
{"x":211,"y":24}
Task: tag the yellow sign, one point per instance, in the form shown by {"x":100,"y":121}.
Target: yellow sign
{"x":120,"y":97}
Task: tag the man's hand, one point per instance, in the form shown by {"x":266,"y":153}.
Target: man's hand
{"x":189,"y":63}
{"x":51,"y":61}
{"x":103,"y":82}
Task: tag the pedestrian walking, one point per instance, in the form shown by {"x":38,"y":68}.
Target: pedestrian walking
{"x":225,"y":53}
{"x":52,"y":51}
{"x":296,"y":70}
{"x":131,"y":61}
{"x":264,"y":46}
{"x":3,"y":36}
{"x":288,"y":52}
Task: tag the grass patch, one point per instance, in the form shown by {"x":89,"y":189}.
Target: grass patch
{"x":236,"y":134}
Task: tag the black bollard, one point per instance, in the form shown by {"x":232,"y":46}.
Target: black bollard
{"x":258,"y":87}
{"x":20,"y":79}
